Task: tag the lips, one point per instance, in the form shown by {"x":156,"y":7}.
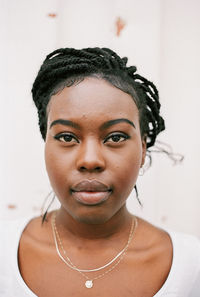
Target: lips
{"x":90,"y":192}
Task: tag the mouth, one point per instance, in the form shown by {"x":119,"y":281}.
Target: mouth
{"x":91,"y":192}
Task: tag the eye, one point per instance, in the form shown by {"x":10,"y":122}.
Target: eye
{"x":116,"y":138}
{"x":66,"y":137}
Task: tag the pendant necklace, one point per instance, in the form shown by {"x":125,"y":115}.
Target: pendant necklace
{"x":89,"y":282}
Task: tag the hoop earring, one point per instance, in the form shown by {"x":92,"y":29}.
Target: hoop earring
{"x":137,"y":196}
{"x":44,"y":214}
{"x":141,"y":171}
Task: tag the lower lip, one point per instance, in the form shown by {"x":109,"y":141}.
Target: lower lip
{"x":91,"y":198}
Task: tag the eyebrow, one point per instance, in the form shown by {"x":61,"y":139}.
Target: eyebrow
{"x":103,"y":126}
{"x":117,"y":121}
{"x":65,"y":123}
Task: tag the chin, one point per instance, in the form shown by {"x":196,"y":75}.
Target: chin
{"x":91,"y":218}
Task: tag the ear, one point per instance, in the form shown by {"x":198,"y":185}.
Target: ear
{"x":144,"y":149}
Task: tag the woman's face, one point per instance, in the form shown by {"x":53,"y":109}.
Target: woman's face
{"x":93,"y":149}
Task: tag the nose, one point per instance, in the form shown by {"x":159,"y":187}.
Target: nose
{"x":90,"y":157}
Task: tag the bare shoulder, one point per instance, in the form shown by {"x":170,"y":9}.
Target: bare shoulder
{"x":155,"y":235}
{"x":35,"y":231}
{"x":154,"y":241}
{"x":35,"y":239}
{"x":151,"y":254}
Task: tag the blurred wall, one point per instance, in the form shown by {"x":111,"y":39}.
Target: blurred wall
{"x":160,"y":37}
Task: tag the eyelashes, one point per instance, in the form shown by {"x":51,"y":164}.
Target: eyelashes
{"x":67,"y":138}
{"x":113,"y":138}
{"x":116,"y":138}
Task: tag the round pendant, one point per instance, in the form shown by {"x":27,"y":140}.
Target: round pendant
{"x":89,"y":284}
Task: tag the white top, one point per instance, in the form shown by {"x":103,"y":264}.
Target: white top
{"x":183,"y":279}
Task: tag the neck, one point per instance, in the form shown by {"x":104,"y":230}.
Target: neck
{"x":70,"y":226}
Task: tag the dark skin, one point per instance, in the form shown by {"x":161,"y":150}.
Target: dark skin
{"x":94,"y":148}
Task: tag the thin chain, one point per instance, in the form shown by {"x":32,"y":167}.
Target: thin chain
{"x":99,"y":268}
{"x":72,"y":266}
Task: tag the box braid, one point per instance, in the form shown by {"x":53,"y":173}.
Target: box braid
{"x":67,"y":66}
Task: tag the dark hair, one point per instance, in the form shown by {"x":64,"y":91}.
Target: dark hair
{"x":67,"y":66}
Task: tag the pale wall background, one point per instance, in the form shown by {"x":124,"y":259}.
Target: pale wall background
{"x":161,"y":37}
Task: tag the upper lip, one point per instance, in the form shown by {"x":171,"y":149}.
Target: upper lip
{"x":90,"y":186}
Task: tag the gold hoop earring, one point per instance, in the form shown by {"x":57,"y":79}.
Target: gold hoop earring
{"x":141,"y":171}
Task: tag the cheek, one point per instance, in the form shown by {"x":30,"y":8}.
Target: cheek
{"x":128,"y":175}
{"x":126,"y":171}
{"x":57,"y":168}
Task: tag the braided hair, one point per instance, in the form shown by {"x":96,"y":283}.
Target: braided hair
{"x":67,"y":66}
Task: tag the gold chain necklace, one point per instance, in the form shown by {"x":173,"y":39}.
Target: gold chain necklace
{"x":68,"y":262}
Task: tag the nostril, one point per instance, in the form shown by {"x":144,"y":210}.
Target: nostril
{"x":82,"y":168}
{"x":97,"y":168}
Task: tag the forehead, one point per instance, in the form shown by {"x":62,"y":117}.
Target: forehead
{"x":92,"y":98}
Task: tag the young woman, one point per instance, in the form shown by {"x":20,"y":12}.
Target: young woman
{"x":97,"y":117}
